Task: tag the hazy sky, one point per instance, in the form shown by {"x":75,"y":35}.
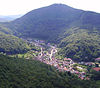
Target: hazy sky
{"x":13,"y":7}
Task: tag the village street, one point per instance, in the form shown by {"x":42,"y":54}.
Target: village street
{"x":65,"y":64}
{"x":47,"y":55}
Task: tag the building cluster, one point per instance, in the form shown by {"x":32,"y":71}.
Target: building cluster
{"x":97,"y":62}
{"x":66,"y":64}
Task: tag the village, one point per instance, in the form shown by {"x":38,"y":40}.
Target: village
{"x":65,"y":64}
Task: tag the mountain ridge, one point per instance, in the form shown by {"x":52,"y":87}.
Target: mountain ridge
{"x":52,"y":24}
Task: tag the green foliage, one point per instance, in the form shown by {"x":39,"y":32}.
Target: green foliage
{"x":49,"y":22}
{"x":80,"y":45}
{"x":95,"y":75}
{"x":5,"y":30}
{"x":28,"y":55}
{"x":11,"y":45}
{"x":46,"y":23}
{"x":21,"y":73}
{"x":53,"y":24}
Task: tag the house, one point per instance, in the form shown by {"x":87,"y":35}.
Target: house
{"x":76,"y":72}
{"x":79,"y":67}
{"x":53,"y":59}
{"x":83,"y":73}
{"x":87,"y":78}
{"x":27,"y":58}
{"x":96,"y":68}
{"x":89,"y":63}
{"x":97,"y":59}
{"x":55,"y":64}
{"x":65,"y":69}
{"x":67,"y":59}
{"x":81,"y":63}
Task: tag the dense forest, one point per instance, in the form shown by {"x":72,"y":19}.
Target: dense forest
{"x":10,"y":44}
{"x":80,"y":44}
{"x":21,"y":73}
{"x":75,"y":31}
{"x":49,"y":22}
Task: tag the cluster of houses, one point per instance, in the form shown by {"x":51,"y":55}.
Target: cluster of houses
{"x":97,"y":60}
{"x":62,"y":65}
{"x":95,"y":65}
{"x":67,"y":64}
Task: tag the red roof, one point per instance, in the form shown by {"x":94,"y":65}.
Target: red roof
{"x":53,"y":58}
{"x":96,"y":68}
{"x":97,"y":59}
{"x":87,"y":78}
{"x":65,"y":69}
{"x":77,"y":72}
{"x":67,"y":59}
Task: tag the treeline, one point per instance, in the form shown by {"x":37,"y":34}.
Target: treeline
{"x":80,"y":44}
{"x":10,"y":44}
{"x":21,"y":73}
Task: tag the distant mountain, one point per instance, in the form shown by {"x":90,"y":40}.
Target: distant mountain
{"x":3,"y":20}
{"x":43,"y":22}
{"x":76,"y":31}
{"x":9,"y":18}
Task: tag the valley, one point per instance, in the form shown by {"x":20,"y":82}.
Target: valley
{"x":48,"y":54}
{"x":56,"y":46}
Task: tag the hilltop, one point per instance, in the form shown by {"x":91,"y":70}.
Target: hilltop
{"x":56,"y":23}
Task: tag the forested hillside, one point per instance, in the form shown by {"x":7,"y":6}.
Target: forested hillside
{"x":58,"y":35}
{"x":46,"y":23}
{"x":53,"y":23}
{"x":21,"y":73}
{"x":5,"y":30}
{"x":49,"y":22}
{"x":80,"y":44}
{"x":10,"y":44}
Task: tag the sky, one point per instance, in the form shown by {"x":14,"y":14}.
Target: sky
{"x":15,"y":7}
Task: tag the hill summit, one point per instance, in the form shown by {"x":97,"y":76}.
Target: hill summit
{"x":77,"y":32}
